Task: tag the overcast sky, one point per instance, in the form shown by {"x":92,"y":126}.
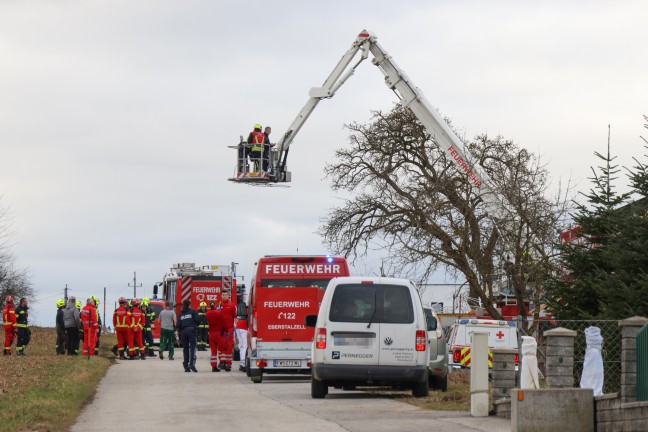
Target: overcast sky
{"x":115,"y":116}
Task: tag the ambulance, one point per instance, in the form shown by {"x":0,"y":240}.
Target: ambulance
{"x":286,"y":289}
{"x":501,"y":334}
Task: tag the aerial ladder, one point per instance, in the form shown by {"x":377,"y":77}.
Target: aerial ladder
{"x":410,"y":97}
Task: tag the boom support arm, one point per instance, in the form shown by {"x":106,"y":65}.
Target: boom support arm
{"x":410,"y":97}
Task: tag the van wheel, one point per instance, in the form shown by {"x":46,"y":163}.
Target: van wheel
{"x":420,"y":389}
{"x":257,"y":378}
{"x":319,"y":389}
{"x":247,"y":367}
{"x":438,"y":383}
{"x":349,"y":387}
{"x":443,"y":384}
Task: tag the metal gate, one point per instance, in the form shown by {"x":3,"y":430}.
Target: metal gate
{"x":642,"y":364}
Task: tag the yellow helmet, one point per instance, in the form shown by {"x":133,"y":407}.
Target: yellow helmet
{"x":78,"y":304}
{"x":257,"y":126}
{"x":60,"y":303}
{"x":203,"y":304}
{"x":96,"y":300}
{"x":146,"y":301}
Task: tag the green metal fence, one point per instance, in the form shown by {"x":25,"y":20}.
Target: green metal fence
{"x":611,"y":352}
{"x":642,"y":364}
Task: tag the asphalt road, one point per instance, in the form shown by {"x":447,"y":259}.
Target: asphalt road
{"x":158,"y":395}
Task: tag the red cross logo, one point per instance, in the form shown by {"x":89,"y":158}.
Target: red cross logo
{"x":499,"y":335}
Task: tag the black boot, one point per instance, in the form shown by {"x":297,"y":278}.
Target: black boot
{"x":228,"y":368}
{"x":114,"y":350}
{"x":185,"y":367}
{"x":193,"y":368}
{"x":215,"y":369}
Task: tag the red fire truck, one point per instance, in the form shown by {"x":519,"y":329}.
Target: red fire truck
{"x":284,"y":290}
{"x":206,"y":283}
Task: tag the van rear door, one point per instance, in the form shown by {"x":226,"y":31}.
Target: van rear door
{"x":354,"y":339}
{"x":397,"y":325}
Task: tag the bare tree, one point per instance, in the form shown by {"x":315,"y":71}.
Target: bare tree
{"x":13,"y":281}
{"x":411,"y":199}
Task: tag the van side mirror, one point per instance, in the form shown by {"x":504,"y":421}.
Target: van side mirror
{"x":431,"y":323}
{"x":310,"y":320}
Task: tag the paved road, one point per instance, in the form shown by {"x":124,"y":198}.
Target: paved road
{"x":231,"y":402}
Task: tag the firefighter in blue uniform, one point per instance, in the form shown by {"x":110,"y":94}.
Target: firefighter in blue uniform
{"x":149,"y":317}
{"x":22,"y":313}
{"x":203,"y":328}
{"x":187,"y":323}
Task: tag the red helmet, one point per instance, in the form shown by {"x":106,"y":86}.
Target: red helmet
{"x":122,"y":300}
{"x":136,"y":302}
{"x":9,"y":299}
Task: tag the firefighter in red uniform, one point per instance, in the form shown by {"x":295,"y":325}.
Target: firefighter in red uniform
{"x":226,"y":342}
{"x":135,"y":335}
{"x":255,"y":143}
{"x":213,"y":317}
{"x":121,"y":324}
{"x":90,"y":326}
{"x":10,"y":325}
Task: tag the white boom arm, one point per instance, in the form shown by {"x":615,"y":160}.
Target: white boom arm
{"x":410,"y":97}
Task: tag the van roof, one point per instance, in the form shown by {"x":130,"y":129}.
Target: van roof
{"x":485,"y":322}
{"x":371,"y":280}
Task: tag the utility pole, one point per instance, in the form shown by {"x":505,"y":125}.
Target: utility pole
{"x":65,"y":294}
{"x":103,"y":330}
{"x":134,"y":285}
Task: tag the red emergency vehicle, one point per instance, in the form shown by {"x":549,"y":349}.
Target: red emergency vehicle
{"x":284,"y":290}
{"x":206,"y":283}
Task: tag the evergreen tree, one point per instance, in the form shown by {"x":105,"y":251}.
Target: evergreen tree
{"x":580,"y":291}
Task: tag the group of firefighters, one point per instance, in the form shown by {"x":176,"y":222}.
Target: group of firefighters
{"x":14,"y":320}
{"x":133,"y":323}
{"x":75,"y":324}
{"x":195,"y":330}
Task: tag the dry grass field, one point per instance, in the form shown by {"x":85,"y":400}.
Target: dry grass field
{"x":45,"y":392}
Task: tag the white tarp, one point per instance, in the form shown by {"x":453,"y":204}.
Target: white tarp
{"x":529,"y":368}
{"x":592,"y":376}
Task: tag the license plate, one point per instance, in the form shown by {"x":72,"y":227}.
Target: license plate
{"x":287,"y":363}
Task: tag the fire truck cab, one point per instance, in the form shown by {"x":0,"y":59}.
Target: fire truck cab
{"x":284,"y":291}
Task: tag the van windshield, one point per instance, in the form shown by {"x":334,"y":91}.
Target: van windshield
{"x":359,"y":302}
{"x":295,"y":283}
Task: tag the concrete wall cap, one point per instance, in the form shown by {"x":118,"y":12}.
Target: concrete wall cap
{"x":633,"y":321}
{"x":560,"y":331}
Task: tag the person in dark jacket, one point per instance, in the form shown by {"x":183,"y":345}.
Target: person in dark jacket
{"x":203,"y":328}
{"x":72,"y":322}
{"x":22,"y":314}
{"x":187,"y":323}
{"x":147,"y":331}
{"x":60,"y":328}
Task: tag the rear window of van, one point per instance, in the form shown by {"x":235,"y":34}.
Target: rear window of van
{"x":372,"y":303}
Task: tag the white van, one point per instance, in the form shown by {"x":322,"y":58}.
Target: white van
{"x":501,"y":334}
{"x":370,"y":331}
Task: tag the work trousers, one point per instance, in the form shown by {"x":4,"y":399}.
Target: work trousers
{"x":72,"y":340}
{"x":214,"y":337}
{"x":226,"y":345}
{"x":23,"y":338}
{"x":135,"y":342}
{"x":202,"y":337}
{"x":9,"y":338}
{"x":122,"y":340}
{"x":188,"y":339}
{"x":147,"y":334}
{"x":89,"y":340}
{"x":60,"y":341}
{"x":167,"y":341}
{"x":241,"y":335}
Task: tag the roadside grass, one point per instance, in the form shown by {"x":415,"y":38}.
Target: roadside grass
{"x":45,"y":392}
{"x":457,"y":398}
